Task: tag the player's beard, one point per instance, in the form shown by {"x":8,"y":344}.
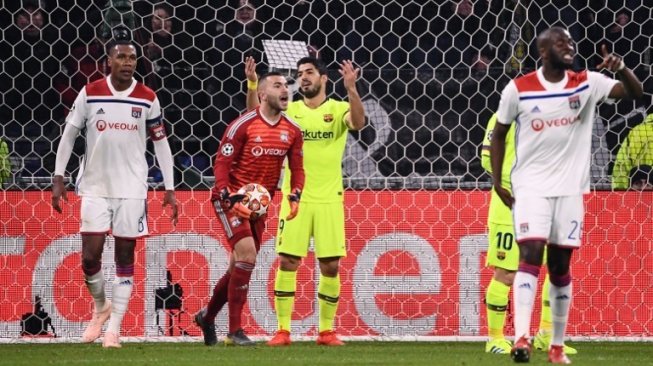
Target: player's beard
{"x":275,"y":103}
{"x":311,"y":92}
{"x":559,"y":63}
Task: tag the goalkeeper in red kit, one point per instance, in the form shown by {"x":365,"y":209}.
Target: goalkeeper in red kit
{"x":252,"y":150}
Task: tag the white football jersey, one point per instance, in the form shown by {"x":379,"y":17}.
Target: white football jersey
{"x":553,"y":138}
{"x":116,"y":123}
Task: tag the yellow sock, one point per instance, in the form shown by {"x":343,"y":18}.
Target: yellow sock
{"x":496,"y":300}
{"x":328,"y":292}
{"x":284,"y":297}
{"x":545,"y":315}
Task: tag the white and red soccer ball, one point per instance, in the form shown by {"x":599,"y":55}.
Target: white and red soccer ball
{"x":257,"y":198}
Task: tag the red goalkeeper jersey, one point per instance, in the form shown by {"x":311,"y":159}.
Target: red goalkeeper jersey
{"x":252,"y":151}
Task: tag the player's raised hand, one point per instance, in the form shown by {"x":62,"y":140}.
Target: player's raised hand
{"x":58,"y":193}
{"x":505,"y":196}
{"x":250,"y":69}
{"x":170,"y":200}
{"x":611,"y":61}
{"x":349,"y":74}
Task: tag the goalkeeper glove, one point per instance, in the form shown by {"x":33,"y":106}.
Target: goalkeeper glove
{"x":293,"y":200}
{"x":233,"y":202}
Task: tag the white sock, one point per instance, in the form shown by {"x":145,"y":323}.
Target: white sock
{"x":524,"y":289}
{"x":560,"y":298}
{"x":122,"y":291}
{"x":95,"y":285}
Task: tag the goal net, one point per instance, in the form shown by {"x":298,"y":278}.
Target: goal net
{"x":416,"y":195}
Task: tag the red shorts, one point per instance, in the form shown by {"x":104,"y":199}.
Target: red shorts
{"x":236,"y":228}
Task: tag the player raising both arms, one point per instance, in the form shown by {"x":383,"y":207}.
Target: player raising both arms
{"x":324,"y":122}
{"x":555,"y":109}
{"x":503,"y":257}
{"x":252,"y":150}
{"x":117,"y":114}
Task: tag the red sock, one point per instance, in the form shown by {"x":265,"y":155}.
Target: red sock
{"x":218,"y":299}
{"x":238,"y":289}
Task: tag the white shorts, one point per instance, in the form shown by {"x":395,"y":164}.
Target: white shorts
{"x":124,"y":217}
{"x":556,"y":220}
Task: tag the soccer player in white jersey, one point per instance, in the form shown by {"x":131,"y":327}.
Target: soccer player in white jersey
{"x":117,"y":113}
{"x":554,"y":110}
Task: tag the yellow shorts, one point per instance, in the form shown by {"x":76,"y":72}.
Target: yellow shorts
{"x":324,"y":222}
{"x":503,"y":251}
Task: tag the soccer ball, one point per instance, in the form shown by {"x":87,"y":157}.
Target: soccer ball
{"x":257,"y":198}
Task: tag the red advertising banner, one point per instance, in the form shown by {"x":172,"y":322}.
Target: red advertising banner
{"x":415,"y":266}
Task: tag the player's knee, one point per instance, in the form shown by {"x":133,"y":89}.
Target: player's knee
{"x":124,"y":251}
{"x":329,"y":272}
{"x":91,"y":265}
{"x":329,"y":266}
{"x":531,"y":252}
{"x":245,"y":255}
{"x":504,"y":276}
{"x":289,"y":262}
{"x":558,"y":260}
{"x":124,"y":258}
{"x":558,"y":266}
{"x":245,"y":250}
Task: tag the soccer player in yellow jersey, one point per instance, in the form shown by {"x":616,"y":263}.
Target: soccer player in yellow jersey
{"x":503,"y":256}
{"x":324,"y":123}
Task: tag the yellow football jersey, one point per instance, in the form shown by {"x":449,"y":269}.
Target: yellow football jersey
{"x":499,"y":213}
{"x":325,"y":136}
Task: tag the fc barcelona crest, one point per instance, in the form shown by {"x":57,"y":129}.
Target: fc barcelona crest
{"x":328,"y":118}
{"x":136,"y":112}
{"x":574,"y":102}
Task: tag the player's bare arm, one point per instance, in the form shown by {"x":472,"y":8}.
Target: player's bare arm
{"x":164,"y":157}
{"x":58,"y":193}
{"x":355,"y":119}
{"x":252,"y":82}
{"x":64,"y":150}
{"x":169,"y":199}
{"x":630,"y":87}
{"x":497,"y":154}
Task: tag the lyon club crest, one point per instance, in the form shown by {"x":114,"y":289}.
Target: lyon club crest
{"x":574,"y":102}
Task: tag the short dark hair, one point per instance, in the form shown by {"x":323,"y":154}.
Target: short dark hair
{"x":121,"y":35}
{"x":113,"y":43}
{"x":319,"y":64}
{"x":267,"y":75}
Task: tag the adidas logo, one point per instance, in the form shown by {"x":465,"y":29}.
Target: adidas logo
{"x":125,"y":282}
{"x":258,"y":139}
{"x":525,"y":285}
{"x":243,"y":287}
{"x":562,"y":297}
{"x":100,"y":111}
{"x":535,"y":109}
{"x":496,"y":349}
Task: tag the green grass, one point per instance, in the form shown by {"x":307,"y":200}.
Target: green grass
{"x":304,"y":353}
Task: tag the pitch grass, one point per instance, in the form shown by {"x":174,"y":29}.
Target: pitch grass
{"x":304,"y":353}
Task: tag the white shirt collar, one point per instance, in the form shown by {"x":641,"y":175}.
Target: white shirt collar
{"x":123,"y":93}
{"x":560,"y":85}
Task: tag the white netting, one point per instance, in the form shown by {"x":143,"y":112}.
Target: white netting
{"x":431,"y":77}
